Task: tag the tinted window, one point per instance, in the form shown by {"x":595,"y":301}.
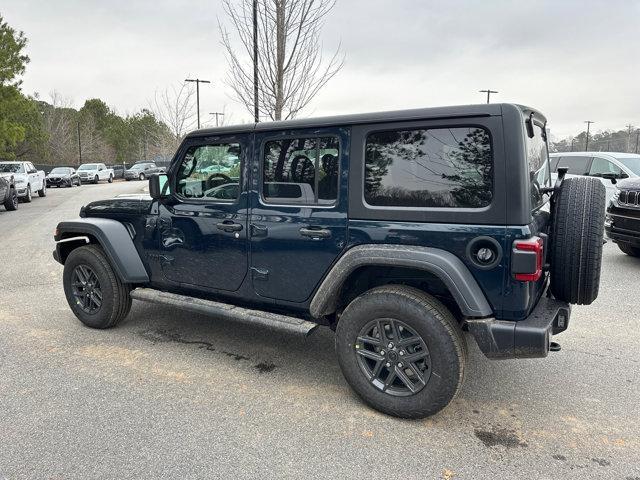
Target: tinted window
{"x":206,"y":170}
{"x":600,"y":166}
{"x":301,"y":171}
{"x":538,"y":165}
{"x":440,"y":167}
{"x":577,"y":165}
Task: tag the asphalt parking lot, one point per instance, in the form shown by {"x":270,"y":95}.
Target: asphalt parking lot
{"x":175,"y":395}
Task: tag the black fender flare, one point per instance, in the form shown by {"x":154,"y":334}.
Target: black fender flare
{"x":115,"y":240}
{"x":445,"y":265}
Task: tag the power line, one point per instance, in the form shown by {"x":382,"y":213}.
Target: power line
{"x":217,"y":114}
{"x":488,"y":92}
{"x":197,"y":81}
{"x":588,"y":122}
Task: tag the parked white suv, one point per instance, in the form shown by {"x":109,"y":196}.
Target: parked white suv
{"x":95,"y":172}
{"x":609,"y":167}
{"x":27,"y":178}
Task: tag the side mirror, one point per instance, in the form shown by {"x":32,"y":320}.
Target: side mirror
{"x":33,"y":171}
{"x":159,"y":186}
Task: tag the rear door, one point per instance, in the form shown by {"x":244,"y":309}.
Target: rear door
{"x":298,"y":217}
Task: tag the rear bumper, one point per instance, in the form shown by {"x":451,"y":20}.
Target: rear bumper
{"x":528,"y":338}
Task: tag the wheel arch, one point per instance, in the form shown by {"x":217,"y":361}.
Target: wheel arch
{"x":438,"y":268}
{"x":114,"y":238}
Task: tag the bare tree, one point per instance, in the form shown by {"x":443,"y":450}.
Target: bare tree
{"x":60,"y":126}
{"x":175,"y":107}
{"x":291,"y":66}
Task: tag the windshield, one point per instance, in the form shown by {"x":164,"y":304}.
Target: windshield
{"x":11,"y":168}
{"x":89,"y":166}
{"x":632,"y":163}
{"x":62,"y":171}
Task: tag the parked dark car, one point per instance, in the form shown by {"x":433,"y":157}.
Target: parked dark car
{"x":622,"y":223}
{"x":8,"y":193}
{"x":118,"y":170}
{"x":141,"y":171}
{"x":398,"y":230}
{"x":63,"y":177}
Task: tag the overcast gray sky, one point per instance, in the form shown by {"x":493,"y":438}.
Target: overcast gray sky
{"x":574,"y":60}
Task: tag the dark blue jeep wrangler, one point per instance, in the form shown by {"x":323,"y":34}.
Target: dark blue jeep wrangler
{"x":398,"y":230}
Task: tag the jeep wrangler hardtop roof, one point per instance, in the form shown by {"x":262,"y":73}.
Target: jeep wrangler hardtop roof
{"x":460,"y":111}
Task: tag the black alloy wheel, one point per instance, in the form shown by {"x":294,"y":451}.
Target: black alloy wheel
{"x":86,"y":289}
{"x":393,"y":357}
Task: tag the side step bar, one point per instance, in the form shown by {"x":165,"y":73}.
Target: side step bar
{"x":225,"y":311}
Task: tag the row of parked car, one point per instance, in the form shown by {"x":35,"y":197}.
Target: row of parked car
{"x":20,"y":181}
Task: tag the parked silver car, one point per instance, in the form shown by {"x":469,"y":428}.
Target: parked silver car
{"x":140,"y":171}
{"x":609,"y":167}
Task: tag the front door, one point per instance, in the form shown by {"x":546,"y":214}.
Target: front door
{"x":298,"y":217}
{"x":203,"y":226}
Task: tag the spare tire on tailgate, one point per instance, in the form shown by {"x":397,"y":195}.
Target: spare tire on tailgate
{"x":576,"y":240}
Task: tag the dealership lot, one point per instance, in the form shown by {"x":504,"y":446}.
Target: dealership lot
{"x":169,"y":394}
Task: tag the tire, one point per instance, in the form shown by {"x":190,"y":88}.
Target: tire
{"x":11,"y":203}
{"x":629,"y":249}
{"x":29,"y":197}
{"x":96,"y":179}
{"x":431,"y":321}
{"x":576,"y":240}
{"x":116,"y":302}
{"x":141,"y":177}
{"x":43,"y":191}
{"x":110,"y":179}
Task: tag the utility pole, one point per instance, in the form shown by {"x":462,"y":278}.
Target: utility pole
{"x":637,"y":138}
{"x":572,"y":140}
{"x":256,"y":110}
{"x":588,"y":122}
{"x":197,"y":81}
{"x":79,"y":145}
{"x":217,"y":114}
{"x":488,"y":92}
{"x":629,"y":138}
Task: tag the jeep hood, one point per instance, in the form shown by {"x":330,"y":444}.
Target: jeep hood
{"x":629,"y":184}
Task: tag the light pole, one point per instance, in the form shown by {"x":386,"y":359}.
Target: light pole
{"x":217,"y":114}
{"x":79,"y":145}
{"x":256,"y":111}
{"x":629,"y":138}
{"x":488,"y":92}
{"x":197,"y":81}
{"x":586,"y":147}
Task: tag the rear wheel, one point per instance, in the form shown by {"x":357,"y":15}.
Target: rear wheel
{"x":401,"y":350}
{"x":629,"y":249}
{"x":576,"y":240}
{"x":11,"y":203}
{"x":94,"y":292}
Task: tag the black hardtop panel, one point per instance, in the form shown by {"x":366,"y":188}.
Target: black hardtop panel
{"x":458,"y":111}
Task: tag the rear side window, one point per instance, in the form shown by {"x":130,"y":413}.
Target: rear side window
{"x":439,"y":167}
{"x":301,"y":171}
{"x":577,"y":165}
{"x":538,"y":166}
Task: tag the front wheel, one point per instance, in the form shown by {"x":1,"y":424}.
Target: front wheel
{"x":96,"y":179}
{"x":93,"y":290}
{"x":28,"y":197}
{"x":402,"y":351}
{"x":11,"y":203}
{"x":141,"y":176}
{"x":110,"y":179}
{"x":629,"y":249}
{"x":43,"y":191}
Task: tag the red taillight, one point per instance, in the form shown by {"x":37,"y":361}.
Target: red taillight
{"x":536,"y":245}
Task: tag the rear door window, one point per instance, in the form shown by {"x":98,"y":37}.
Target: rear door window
{"x":537,"y":156}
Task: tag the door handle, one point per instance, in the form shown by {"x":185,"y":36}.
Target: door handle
{"x":315,"y":233}
{"x":229,"y":226}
